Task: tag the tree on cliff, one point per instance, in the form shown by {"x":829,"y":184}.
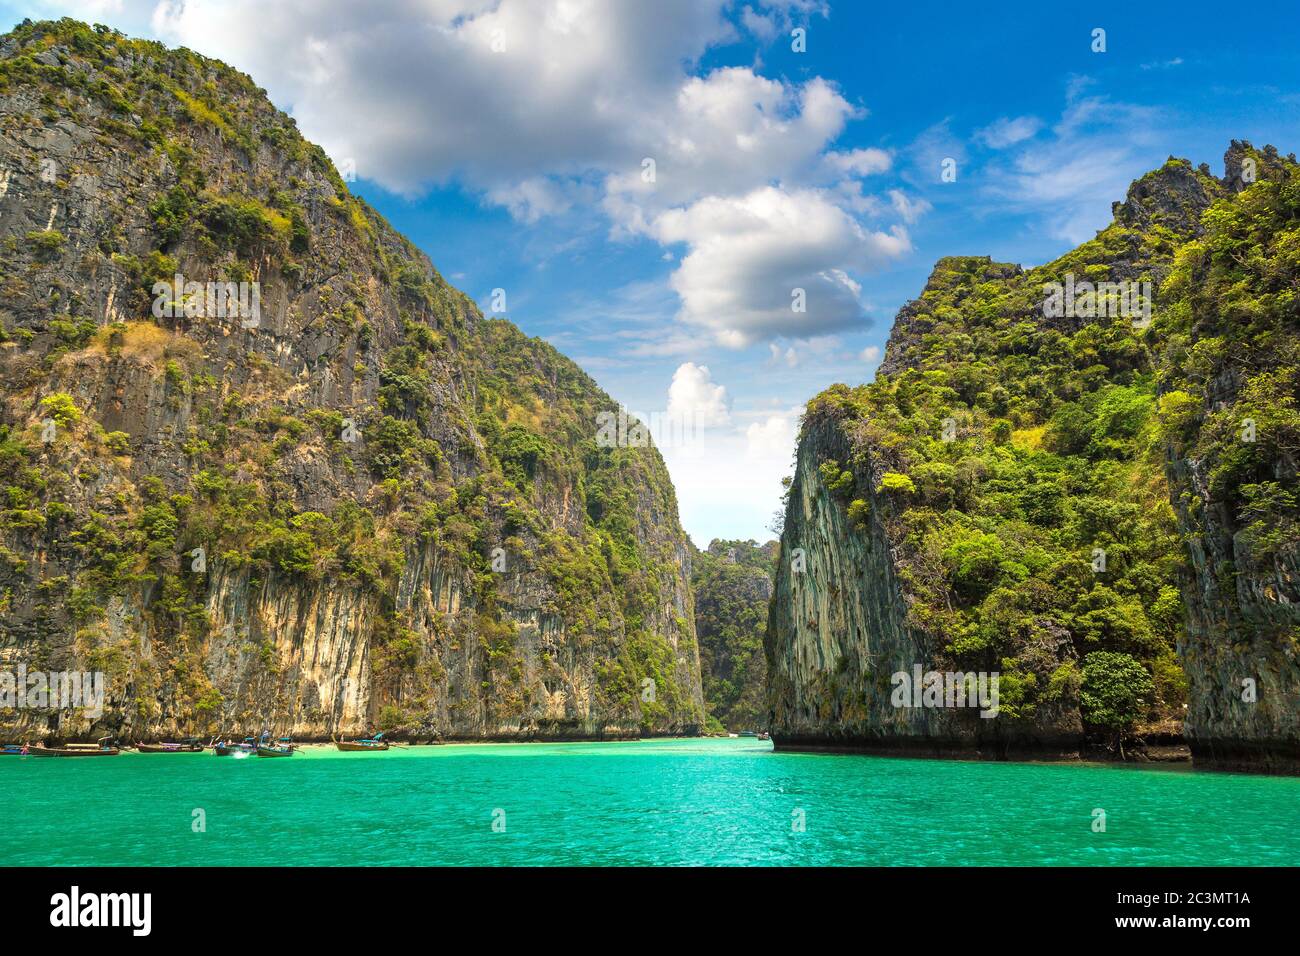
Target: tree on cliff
{"x":1114,"y":693}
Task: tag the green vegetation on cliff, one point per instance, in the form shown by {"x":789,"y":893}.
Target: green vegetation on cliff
{"x":368,"y":500}
{"x":1017,"y":458}
{"x":732,"y":582}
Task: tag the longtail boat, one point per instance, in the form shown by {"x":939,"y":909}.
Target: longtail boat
{"x":190,"y":746}
{"x":228,"y":749}
{"x":14,"y":750}
{"x":102,"y":749}
{"x":285,"y":748}
{"x":363,"y":745}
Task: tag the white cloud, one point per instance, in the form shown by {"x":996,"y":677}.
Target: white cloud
{"x":909,"y":209}
{"x":773,"y":438}
{"x":1006,"y":132}
{"x":762,"y":26}
{"x":1071,"y":177}
{"x":732,"y":487}
{"x":531,"y":199}
{"x":860,"y":162}
{"x":694,"y":397}
{"x":789,"y":356}
{"x":748,"y":255}
{"x":870,"y":354}
{"x":932,"y":148}
{"x":497,"y":93}
{"x":729,"y":131}
{"x":484,"y":91}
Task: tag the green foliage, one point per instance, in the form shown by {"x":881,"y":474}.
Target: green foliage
{"x":838,"y":481}
{"x":894,"y":482}
{"x":1114,"y":690}
{"x":1231,"y":382}
{"x":46,"y":242}
{"x":1058,"y":454}
{"x":252,"y":467}
{"x":61,"y":407}
{"x":242,"y":223}
{"x":523,"y":453}
{"x":172,"y":213}
{"x":732,"y":584}
{"x":73,"y":332}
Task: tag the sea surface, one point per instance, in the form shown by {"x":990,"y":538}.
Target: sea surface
{"x":730,"y":802}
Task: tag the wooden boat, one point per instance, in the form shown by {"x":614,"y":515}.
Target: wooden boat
{"x":14,"y":750}
{"x":102,"y":749}
{"x":229,"y":750}
{"x":363,"y":745}
{"x":188,"y":747}
{"x":285,"y":748}
{"x":764,"y":736}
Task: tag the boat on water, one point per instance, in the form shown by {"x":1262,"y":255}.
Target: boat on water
{"x":190,"y":745}
{"x":229,"y":748}
{"x":104,"y":748}
{"x":14,"y":750}
{"x":748,"y":733}
{"x":764,"y":736}
{"x":284,"y":748}
{"x":373,"y":744}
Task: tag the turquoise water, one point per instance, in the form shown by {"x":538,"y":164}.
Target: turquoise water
{"x":662,"y":802}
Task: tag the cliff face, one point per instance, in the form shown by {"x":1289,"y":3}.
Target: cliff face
{"x":840,"y":626}
{"x":351,"y":500}
{"x":732,"y":581}
{"x":1230,"y":385}
{"x":1058,"y":496}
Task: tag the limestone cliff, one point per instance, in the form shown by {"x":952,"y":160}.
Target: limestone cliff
{"x":1230,"y":385}
{"x":1058,"y":497}
{"x":345,"y":499}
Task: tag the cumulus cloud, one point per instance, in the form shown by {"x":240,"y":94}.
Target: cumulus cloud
{"x":694,"y":397}
{"x":734,"y":484}
{"x":750,"y":254}
{"x":730,"y":131}
{"x":861,"y":162}
{"x":870,"y":354}
{"x":773,"y":438}
{"x":421,"y":91}
{"x":486,"y":91}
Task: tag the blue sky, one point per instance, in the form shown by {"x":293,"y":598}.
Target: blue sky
{"x":507,"y":138}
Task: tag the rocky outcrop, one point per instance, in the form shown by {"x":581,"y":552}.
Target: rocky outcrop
{"x":361,"y":503}
{"x":839,"y":630}
{"x":986,"y":507}
{"x":1234,"y":467}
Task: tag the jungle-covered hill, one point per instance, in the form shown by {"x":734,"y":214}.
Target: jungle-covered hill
{"x":371,"y":505}
{"x":1101,"y":507}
